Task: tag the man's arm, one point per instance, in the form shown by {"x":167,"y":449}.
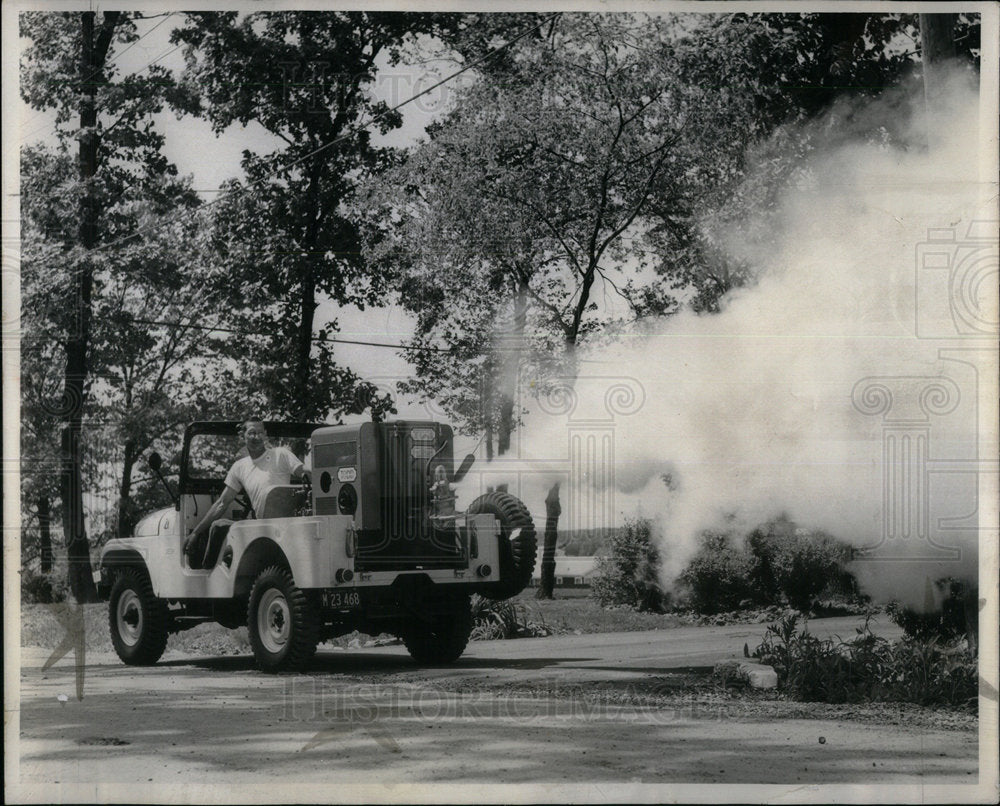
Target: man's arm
{"x":214,"y":511}
{"x":296,"y":470}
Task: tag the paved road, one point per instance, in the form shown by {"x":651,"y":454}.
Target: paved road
{"x":575,"y":711}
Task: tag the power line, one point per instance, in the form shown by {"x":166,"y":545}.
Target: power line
{"x":98,"y":70}
{"x":347,"y":134}
{"x":330,"y":339}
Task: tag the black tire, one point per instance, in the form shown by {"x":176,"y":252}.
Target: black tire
{"x":281,"y":622}
{"x":442,"y":637}
{"x":517,"y":556}
{"x":139,"y":621}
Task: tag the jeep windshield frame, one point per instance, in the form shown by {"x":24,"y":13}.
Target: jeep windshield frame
{"x":277,"y":429}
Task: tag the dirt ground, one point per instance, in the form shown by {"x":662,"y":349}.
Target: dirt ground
{"x":580,"y":713}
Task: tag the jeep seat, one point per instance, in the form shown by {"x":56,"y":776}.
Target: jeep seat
{"x":281,"y":501}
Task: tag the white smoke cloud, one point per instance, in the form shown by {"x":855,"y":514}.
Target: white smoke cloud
{"x":750,"y":411}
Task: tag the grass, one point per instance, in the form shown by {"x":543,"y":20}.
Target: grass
{"x":574,"y":611}
{"x":865,"y":668}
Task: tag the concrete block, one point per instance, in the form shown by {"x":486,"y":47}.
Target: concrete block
{"x":760,"y":676}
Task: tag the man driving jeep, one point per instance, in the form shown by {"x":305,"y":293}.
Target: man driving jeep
{"x":263,"y":467}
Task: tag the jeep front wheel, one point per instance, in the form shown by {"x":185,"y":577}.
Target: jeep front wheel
{"x":139,"y":621}
{"x":281,"y":622}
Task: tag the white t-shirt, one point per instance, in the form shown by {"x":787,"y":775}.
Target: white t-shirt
{"x":257,"y":476}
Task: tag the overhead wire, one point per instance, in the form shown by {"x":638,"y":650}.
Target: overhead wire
{"x":245,"y":332}
{"x":245,"y":189}
{"x":227,"y":193}
{"x":99,"y":69}
{"x":350,"y":131}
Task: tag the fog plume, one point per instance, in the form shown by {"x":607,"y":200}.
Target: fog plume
{"x":778,"y":404}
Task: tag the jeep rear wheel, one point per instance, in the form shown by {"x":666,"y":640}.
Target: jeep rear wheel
{"x":517,"y":555}
{"x":139,"y":621}
{"x":281,"y":623}
{"x":442,"y":637}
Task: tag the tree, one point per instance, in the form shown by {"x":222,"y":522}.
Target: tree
{"x":159,"y":368}
{"x":283,"y":234}
{"x":628,"y":571}
{"x":792,"y":80}
{"x":69,"y":68}
{"x":537,"y":191}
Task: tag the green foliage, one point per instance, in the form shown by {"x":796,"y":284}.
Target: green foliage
{"x":954,"y":619}
{"x":285,"y":236}
{"x":527,"y":199}
{"x":799,"y":566}
{"x":95,"y":261}
{"x":628,"y":574}
{"x":869,"y":668}
{"x":493,"y":620}
{"x":718,"y":576}
{"x":41,"y":588}
{"x":776,"y":563}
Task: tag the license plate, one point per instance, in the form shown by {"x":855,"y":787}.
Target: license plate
{"x":341,"y":600}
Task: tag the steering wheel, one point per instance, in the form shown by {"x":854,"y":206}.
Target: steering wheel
{"x":244,"y":501}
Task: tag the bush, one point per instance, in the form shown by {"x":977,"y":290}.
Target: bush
{"x":492,"y":620}
{"x":777,"y":563}
{"x":628,"y":574}
{"x":869,"y":668}
{"x":798,"y":566}
{"x":718,"y":576}
{"x":41,"y":588}
{"x":957,"y":617}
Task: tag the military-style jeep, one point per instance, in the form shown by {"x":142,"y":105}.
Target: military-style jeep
{"x":374,"y":544}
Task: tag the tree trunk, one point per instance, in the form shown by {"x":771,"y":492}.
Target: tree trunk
{"x":80,"y":579}
{"x":124,"y":509}
{"x":94,"y":51}
{"x":307,"y":304}
{"x":304,"y":347}
{"x":547,"y":582}
{"x":937,"y":53}
{"x":937,"y":38}
{"x":512,"y":347}
{"x":45,"y":533}
{"x":489,"y":442}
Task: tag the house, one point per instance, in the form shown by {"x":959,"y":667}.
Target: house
{"x":571,"y":572}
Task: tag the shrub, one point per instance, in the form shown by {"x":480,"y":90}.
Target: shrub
{"x":41,"y":588}
{"x":493,"y":619}
{"x":956,"y":618}
{"x":869,"y":668}
{"x":718,"y":576}
{"x":776,"y":563}
{"x":628,"y":574}
{"x":799,"y":566}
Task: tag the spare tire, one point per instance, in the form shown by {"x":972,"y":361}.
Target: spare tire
{"x":517,"y":556}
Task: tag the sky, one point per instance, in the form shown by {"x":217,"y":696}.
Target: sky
{"x":211,"y":160}
{"x":754,"y":412}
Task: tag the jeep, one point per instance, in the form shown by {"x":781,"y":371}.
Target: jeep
{"x":374,"y":543}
